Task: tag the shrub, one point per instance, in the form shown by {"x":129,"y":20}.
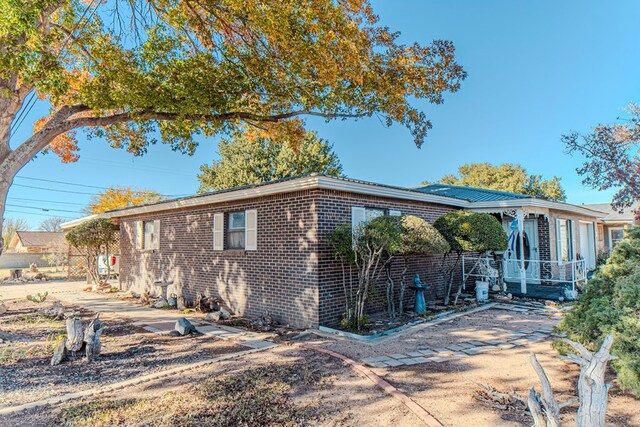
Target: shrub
{"x":468,"y":232}
{"x":610,"y":303}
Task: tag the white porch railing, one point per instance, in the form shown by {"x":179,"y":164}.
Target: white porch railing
{"x":537,"y":271}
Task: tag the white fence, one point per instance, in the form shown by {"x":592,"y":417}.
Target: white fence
{"x":537,"y":272}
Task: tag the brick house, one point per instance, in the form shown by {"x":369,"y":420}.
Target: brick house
{"x":264,"y":248}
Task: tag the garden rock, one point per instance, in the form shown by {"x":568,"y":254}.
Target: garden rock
{"x":224,"y":314}
{"x":184,"y":327}
{"x":172,"y":302}
{"x":214,"y":316}
{"x":160,"y":303}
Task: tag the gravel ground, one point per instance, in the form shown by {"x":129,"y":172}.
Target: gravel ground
{"x":127,"y":351}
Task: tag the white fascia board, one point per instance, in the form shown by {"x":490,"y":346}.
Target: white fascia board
{"x":74,"y":222}
{"x":536,"y":203}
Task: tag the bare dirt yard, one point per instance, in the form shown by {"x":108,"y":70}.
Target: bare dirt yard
{"x":28,"y":338}
{"x":285,"y":386}
{"x":446,"y":389}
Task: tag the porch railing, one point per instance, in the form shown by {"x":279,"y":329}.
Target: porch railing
{"x":537,"y":271}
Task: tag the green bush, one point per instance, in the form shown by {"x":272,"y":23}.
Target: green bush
{"x":472,"y":231}
{"x":610,"y":304}
{"x":420,"y":237}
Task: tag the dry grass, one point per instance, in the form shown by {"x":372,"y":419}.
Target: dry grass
{"x":253,"y":397}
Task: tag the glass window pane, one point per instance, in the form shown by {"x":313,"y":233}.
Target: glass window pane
{"x":235,"y":240}
{"x":148,"y":234}
{"x":236,"y":221}
{"x":371,"y":213}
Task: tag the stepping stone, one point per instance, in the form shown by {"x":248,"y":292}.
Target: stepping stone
{"x":442,"y":350}
{"x":394,"y":363}
{"x":455,"y":347}
{"x":415,"y":354}
{"x":465,"y":345}
{"x":408,"y":361}
{"x":375,"y":359}
{"x":421,"y":359}
{"x":519,"y":342}
{"x":471,"y":351}
{"x":398,"y":356}
{"x":476,"y":343}
{"x":258,"y":344}
{"x":437,"y":359}
{"x":377,"y":365}
{"x":428,"y":352}
{"x":505,"y":346}
{"x":494,"y":342}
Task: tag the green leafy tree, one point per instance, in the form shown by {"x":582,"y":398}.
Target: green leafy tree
{"x":136,"y":72}
{"x":94,"y":237}
{"x":610,"y":304}
{"x":467,"y":232}
{"x":506,"y":177}
{"x":244,"y":160}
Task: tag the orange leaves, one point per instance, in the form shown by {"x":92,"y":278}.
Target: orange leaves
{"x":121,"y":197}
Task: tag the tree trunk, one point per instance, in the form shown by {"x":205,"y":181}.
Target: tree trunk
{"x":59,"y":353}
{"x":391,"y":306}
{"x":592,"y":389}
{"x":403,"y":286}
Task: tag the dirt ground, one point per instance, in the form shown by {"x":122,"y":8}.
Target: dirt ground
{"x":446,"y":389}
{"x":339,"y":398}
{"x":127,"y":351}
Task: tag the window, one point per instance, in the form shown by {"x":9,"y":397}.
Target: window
{"x":362,"y":215}
{"x":615,"y":235}
{"x":236,"y":230}
{"x":150,"y":235}
{"x":564,"y":240}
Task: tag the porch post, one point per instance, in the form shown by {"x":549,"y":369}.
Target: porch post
{"x":523,"y":270}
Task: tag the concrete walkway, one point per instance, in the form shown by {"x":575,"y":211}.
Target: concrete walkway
{"x":160,"y":321}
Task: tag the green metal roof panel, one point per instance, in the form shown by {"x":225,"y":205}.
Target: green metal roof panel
{"x":470,"y":194}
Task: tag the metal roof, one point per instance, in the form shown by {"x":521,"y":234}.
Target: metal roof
{"x":470,"y":194}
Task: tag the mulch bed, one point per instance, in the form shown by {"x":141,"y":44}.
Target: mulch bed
{"x":127,"y":351}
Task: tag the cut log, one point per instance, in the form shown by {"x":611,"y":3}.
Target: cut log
{"x":592,"y":389}
{"x":75,"y":335}
{"x":60,"y":352}
{"x":92,"y":336}
{"x":543,"y":406}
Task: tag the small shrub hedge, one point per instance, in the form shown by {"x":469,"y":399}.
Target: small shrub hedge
{"x":610,"y":304}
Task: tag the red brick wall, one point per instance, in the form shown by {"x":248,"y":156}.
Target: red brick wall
{"x":334,"y":208}
{"x":280,"y":278}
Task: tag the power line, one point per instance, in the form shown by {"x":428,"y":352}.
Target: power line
{"x":41,"y":209}
{"x":46,"y":201}
{"x":62,"y":182}
{"x":56,"y":190}
{"x":35,"y":213}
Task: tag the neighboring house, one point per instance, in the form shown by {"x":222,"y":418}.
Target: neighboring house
{"x":264,"y":248}
{"x":36,"y":242}
{"x":612,"y":226}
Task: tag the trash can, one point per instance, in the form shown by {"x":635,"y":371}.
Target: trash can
{"x":482,"y":290}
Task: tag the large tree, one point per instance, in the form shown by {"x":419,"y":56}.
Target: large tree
{"x":610,"y":157}
{"x":251,"y":160}
{"x":121,"y":197}
{"x":506,"y":177}
{"x":137,"y":71}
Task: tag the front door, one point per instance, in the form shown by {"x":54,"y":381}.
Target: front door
{"x":587,"y":245}
{"x":512,"y":264}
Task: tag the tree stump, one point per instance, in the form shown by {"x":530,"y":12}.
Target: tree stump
{"x":59,"y":353}
{"x":92,"y":335}
{"x":75,"y":335}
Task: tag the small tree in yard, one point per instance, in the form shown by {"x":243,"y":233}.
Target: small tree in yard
{"x":467,"y":232}
{"x":369,"y":250}
{"x":417,"y":237}
{"x":93,"y":236}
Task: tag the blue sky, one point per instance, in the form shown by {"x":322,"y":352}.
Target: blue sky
{"x":536,"y":70}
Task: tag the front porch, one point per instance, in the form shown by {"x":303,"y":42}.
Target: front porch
{"x":552,"y":280}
